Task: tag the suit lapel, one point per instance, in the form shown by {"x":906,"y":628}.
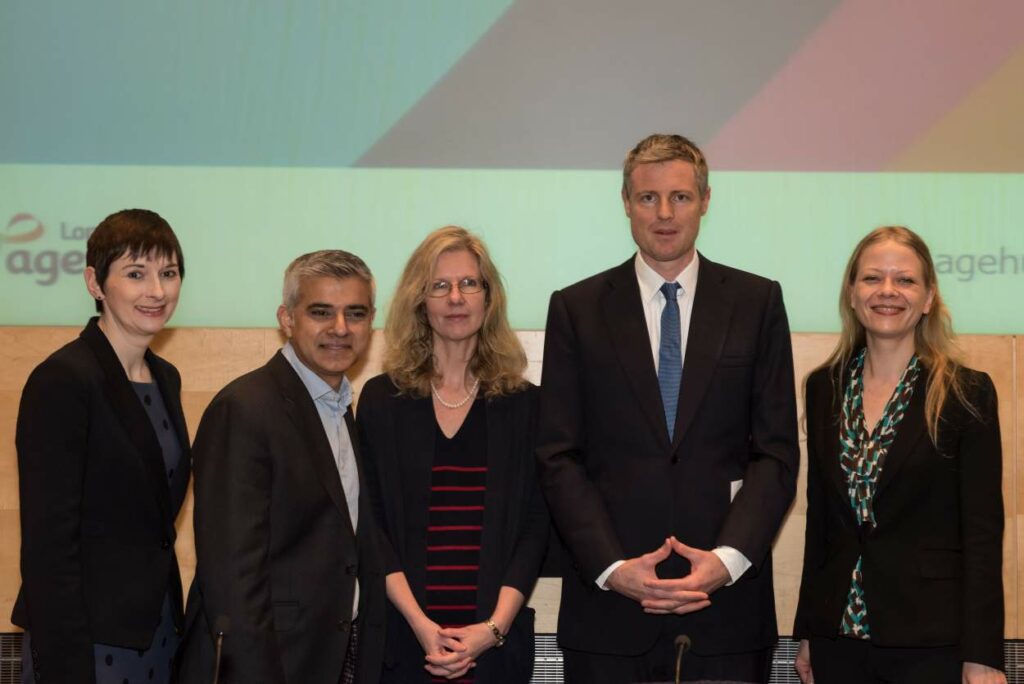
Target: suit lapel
{"x":132,"y":415}
{"x":709,"y":324}
{"x":627,"y":328}
{"x":908,"y":433}
{"x":301,"y":411}
{"x":829,"y":448}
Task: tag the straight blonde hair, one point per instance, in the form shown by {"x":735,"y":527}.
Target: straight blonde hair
{"x":934,"y":340}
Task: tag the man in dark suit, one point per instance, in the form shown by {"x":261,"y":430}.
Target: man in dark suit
{"x":668,"y":444}
{"x":287,"y":563}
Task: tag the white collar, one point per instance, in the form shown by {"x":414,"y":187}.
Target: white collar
{"x":650,"y":282}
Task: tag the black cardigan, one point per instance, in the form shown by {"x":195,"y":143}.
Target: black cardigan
{"x":397,"y":435}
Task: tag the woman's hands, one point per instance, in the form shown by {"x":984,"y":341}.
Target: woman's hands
{"x":446,"y":656}
{"x":803,"y":662}
{"x":474,"y":641}
{"x":976,"y":673}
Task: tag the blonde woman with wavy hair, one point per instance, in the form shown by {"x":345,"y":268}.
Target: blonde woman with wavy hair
{"x":498,"y":361}
{"x":902,"y":576}
{"x":448,"y":435}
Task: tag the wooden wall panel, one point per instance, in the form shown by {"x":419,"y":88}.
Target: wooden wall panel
{"x":996,"y":355}
{"x":10,"y":574}
{"x":209,"y":358}
{"x":809,"y":351}
{"x":1016,"y":559}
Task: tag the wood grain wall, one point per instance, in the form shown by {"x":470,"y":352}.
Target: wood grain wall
{"x":209,"y":358}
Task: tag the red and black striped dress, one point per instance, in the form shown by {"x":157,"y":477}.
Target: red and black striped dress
{"x":454,"y":523}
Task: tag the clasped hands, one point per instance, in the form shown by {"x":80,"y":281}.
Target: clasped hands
{"x":637,"y":579}
{"x":452,"y":651}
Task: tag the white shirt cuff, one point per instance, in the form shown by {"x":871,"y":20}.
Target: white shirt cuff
{"x":602,"y":579}
{"x":733,"y":560}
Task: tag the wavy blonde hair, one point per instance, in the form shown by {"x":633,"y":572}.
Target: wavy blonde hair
{"x":499,"y":359}
{"x":934,"y":340}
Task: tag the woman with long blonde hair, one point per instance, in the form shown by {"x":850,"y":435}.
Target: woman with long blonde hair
{"x":902,"y":565}
{"x":447,"y":434}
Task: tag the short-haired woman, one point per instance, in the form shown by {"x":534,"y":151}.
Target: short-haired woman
{"x":103,"y":465}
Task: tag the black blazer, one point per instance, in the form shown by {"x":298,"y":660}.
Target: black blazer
{"x":397,"y":433}
{"x":277,"y":558}
{"x":933,"y":564}
{"x":97,"y":510}
{"x":617,"y":487}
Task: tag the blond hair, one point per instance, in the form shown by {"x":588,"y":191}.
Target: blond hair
{"x":934,"y":340}
{"x":661,"y":147}
{"x":499,"y":359}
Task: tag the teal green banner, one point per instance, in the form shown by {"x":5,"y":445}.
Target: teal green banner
{"x":239,"y":228}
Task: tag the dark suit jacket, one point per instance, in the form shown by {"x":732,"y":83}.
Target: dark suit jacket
{"x":397,"y":433}
{"x":617,"y":487}
{"x":97,"y":511}
{"x":933,"y":565}
{"x":277,"y":558}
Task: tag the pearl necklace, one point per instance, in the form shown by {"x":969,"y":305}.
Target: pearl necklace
{"x":458,"y":404}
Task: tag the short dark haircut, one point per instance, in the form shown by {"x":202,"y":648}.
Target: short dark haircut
{"x":132,"y":232}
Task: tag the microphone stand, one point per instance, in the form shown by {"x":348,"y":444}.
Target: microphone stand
{"x":220,"y":626}
{"x":682,"y":646}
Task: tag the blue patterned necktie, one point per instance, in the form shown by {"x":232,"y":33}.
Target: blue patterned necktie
{"x":670,"y":360}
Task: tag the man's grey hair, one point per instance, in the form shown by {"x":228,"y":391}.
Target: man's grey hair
{"x":326,"y":263}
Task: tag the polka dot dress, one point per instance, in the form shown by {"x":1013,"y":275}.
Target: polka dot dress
{"x":115,"y":664}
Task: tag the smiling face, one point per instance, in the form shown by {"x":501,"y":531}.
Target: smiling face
{"x":330,"y":325}
{"x":889,"y":294}
{"x":456,"y":316}
{"x":139,"y":295}
{"x":665,"y":207}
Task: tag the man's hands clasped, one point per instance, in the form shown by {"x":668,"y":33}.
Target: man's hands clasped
{"x":637,"y":579}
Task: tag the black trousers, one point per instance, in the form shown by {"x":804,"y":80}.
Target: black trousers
{"x":659,"y":663}
{"x":856,"y":661}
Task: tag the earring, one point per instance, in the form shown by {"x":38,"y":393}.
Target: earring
{"x":99,"y":298}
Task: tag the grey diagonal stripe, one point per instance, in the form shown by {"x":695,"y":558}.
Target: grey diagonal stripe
{"x":574,"y":83}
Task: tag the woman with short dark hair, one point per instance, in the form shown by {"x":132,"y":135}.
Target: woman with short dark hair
{"x":103,"y":466}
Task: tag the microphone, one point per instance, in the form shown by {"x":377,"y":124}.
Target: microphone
{"x":220,"y":627}
{"x":683,"y":644}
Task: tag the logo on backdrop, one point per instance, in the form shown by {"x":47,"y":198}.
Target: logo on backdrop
{"x":23,"y":227}
{"x":26,"y":255}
